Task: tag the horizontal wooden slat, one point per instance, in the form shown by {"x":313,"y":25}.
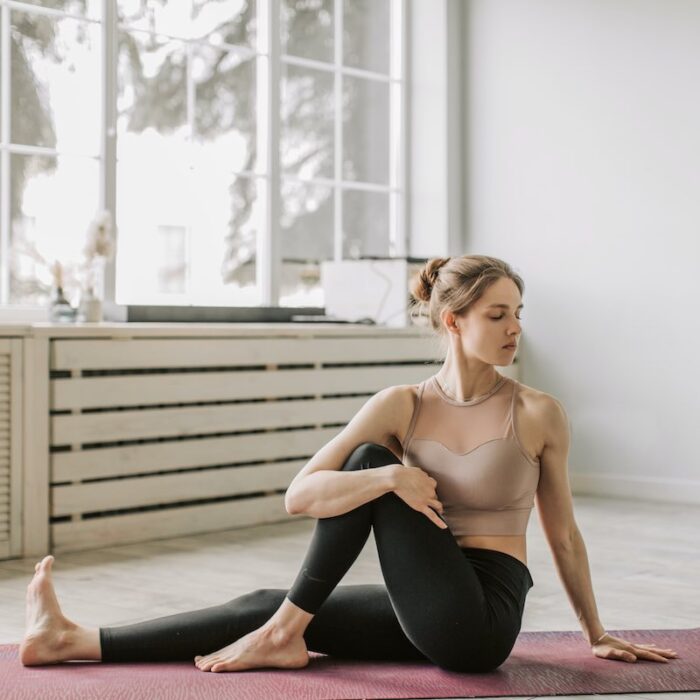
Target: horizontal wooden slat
{"x":189,"y":520}
{"x":181,"y":454}
{"x":102,"y":392}
{"x":163,"y":488}
{"x":165,"y":422}
{"x":229,"y":352}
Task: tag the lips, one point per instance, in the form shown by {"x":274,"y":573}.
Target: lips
{"x":510,"y":346}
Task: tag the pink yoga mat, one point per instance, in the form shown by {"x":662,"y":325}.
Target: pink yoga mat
{"x":541,"y":663}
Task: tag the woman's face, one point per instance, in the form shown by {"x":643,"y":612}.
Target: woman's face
{"x":491,"y":323}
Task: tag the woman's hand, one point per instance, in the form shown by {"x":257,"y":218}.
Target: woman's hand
{"x":417,"y":488}
{"x":610,"y":647}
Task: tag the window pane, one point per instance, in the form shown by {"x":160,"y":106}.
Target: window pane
{"x":224,"y":109}
{"x":52,"y":201}
{"x":365,"y":224}
{"x":151,"y":95}
{"x":153,"y":202}
{"x":89,"y":8}
{"x":306,"y":138}
{"x":366,"y":34}
{"x":307,"y":238}
{"x":228,"y":217}
{"x":230,"y":21}
{"x":2,"y":53}
{"x":55,"y":91}
{"x":187,"y":236}
{"x":171,"y":254}
{"x":306,"y":28}
{"x":366,"y":130}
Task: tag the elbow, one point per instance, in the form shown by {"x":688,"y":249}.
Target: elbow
{"x":291,"y":504}
{"x":568,"y":541}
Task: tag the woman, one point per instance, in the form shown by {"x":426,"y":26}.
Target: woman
{"x":449,"y":521}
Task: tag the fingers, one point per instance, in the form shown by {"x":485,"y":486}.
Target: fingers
{"x":651,"y":656}
{"x":620,"y":655}
{"x":623,"y":655}
{"x":434,"y":517}
{"x":670,"y":653}
{"x":437,"y":506}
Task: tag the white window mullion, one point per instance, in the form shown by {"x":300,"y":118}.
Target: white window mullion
{"x":338,"y":135}
{"x":5,"y":156}
{"x":268,"y":259}
{"x":189,"y":173}
{"x":108,"y":140}
{"x":397,"y":130}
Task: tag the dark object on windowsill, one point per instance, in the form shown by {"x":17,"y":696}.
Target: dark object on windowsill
{"x":211,"y":314}
{"x":60,"y":309}
{"x":301,"y":318}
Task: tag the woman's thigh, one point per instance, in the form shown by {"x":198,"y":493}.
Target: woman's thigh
{"x":438,"y":598}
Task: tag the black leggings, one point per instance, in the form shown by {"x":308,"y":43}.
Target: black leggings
{"x":460,"y":608}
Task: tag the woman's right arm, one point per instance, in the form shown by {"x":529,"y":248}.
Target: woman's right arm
{"x":321,"y":489}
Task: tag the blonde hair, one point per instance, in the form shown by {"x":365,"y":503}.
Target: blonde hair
{"x":456,"y":284}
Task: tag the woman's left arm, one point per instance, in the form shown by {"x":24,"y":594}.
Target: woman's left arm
{"x":556,"y":514}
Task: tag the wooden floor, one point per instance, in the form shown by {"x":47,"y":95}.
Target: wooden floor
{"x":643,"y":556}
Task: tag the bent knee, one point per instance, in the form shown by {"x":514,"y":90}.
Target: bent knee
{"x":370,"y":454}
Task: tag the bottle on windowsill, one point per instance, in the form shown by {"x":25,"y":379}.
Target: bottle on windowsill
{"x":61,"y":310}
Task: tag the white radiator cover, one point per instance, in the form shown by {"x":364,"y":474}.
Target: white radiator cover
{"x":118,"y":433}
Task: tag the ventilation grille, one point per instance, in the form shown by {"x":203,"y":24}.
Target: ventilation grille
{"x":5,"y":457}
{"x":10,"y":447}
{"x":153,"y":438}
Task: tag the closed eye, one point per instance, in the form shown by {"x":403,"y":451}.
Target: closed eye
{"x":498,"y":318}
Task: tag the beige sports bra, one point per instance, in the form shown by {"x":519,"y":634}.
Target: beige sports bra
{"x":486,"y":482}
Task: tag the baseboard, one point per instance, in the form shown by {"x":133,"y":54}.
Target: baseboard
{"x":642,"y":488}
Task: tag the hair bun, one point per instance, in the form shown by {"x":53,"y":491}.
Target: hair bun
{"x":422,"y":286}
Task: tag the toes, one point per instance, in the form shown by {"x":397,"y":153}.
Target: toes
{"x":206,"y":664}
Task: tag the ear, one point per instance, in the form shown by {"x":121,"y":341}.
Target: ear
{"x":450,"y":321}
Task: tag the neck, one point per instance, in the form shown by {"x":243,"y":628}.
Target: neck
{"x":464,"y":383}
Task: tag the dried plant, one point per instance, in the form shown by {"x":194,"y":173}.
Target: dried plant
{"x":100,"y":243}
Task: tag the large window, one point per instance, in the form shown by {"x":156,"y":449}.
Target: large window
{"x":238,"y":142}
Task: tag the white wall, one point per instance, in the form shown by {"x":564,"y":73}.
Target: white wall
{"x":582,"y":154}
{"x":434,"y":128}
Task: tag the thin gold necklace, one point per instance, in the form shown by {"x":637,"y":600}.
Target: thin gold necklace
{"x":452,"y":396}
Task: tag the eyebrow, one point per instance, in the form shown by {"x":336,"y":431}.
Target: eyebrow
{"x":504,"y":306}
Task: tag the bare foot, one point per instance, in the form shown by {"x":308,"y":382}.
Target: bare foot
{"x":261,"y":648}
{"x":48,"y":631}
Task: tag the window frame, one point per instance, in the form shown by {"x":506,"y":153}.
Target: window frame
{"x":267,"y":52}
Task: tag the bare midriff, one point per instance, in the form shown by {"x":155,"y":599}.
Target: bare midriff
{"x":510,"y":544}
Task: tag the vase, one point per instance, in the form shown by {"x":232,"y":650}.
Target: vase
{"x":90,"y":309}
{"x":91,"y":296}
{"x":60,"y":309}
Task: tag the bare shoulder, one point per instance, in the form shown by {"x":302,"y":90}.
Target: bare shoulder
{"x":540,"y":416}
{"x":400,"y":403}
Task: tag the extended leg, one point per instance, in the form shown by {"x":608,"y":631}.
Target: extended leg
{"x":434,"y":591}
{"x":355,"y":621}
